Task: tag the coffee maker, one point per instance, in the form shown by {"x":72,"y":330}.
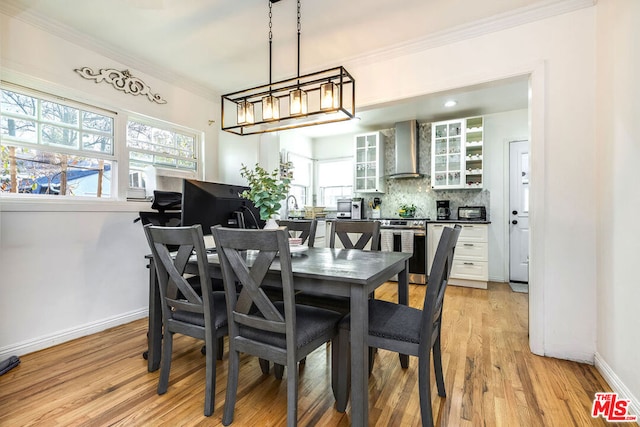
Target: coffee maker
{"x":443,"y":210}
{"x":356,"y":208}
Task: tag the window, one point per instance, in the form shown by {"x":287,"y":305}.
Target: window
{"x":301,"y":182}
{"x":54,"y":147}
{"x":153,"y":148}
{"x":335,"y":181}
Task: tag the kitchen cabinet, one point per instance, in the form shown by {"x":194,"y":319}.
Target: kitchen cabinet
{"x":369,"y":170}
{"x":471,"y":259}
{"x":457,"y":153}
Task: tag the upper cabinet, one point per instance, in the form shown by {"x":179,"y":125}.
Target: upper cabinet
{"x":457,"y":153}
{"x":369,"y":169}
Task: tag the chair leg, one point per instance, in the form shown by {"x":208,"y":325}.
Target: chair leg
{"x":437,"y":367}
{"x":341,"y":379}
{"x":292,"y":392}
{"x":278,"y":370}
{"x":424,"y":387}
{"x":220,"y":348}
{"x":165,"y":365}
{"x":232,"y":387}
{"x":264,"y":366}
{"x":210,"y":375}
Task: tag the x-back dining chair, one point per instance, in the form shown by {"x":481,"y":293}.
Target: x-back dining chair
{"x":201,"y":315}
{"x":407,"y":330}
{"x":304,"y":229}
{"x":282,"y":332}
{"x":352,"y":235}
{"x":364,"y":232}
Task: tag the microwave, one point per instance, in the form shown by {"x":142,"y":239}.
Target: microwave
{"x":472,"y":213}
{"x":344,"y":208}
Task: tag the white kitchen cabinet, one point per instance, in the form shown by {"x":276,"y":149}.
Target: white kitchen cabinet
{"x":369,"y":170}
{"x":457,"y":153}
{"x":471,"y":259}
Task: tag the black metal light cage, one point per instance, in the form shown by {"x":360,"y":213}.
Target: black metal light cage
{"x":343,"y":110}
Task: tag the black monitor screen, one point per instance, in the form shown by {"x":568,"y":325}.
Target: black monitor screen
{"x":211,"y":203}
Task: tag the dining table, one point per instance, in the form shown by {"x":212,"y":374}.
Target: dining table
{"x":349,"y":273}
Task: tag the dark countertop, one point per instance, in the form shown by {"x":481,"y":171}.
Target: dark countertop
{"x":457,"y":221}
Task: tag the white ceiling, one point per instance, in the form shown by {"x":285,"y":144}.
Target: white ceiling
{"x":220,"y":46}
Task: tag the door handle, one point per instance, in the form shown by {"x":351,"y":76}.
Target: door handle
{"x":515,"y":212}
{"x":514,"y":222}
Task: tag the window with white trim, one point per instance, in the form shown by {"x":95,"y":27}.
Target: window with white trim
{"x":54,"y":146}
{"x":335,"y":181}
{"x":156,"y":149}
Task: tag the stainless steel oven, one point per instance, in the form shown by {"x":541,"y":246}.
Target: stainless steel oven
{"x":395,"y":234}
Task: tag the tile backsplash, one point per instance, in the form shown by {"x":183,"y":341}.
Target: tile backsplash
{"x":418,"y":190}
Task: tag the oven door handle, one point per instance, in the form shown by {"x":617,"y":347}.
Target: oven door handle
{"x":419,"y":234}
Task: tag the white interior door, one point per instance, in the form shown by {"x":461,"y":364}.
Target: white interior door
{"x":519,"y":211}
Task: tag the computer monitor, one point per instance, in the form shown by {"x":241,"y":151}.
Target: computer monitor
{"x":212,"y":203}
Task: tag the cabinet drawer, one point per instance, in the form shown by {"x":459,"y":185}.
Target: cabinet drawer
{"x":474,"y":233}
{"x":470,"y":270}
{"x":472,"y":251}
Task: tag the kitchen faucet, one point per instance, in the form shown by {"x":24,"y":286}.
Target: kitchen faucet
{"x":286,"y":205}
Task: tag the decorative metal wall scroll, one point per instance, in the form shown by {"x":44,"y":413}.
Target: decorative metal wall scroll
{"x":121,"y":80}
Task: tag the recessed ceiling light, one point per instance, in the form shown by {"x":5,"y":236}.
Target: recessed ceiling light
{"x":450,"y":103}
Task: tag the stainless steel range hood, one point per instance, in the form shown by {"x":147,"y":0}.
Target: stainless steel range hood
{"x":406,"y":154}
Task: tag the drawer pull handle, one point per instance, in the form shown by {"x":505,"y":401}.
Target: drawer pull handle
{"x":468,"y":263}
{"x":468,"y":226}
{"x":468,"y":244}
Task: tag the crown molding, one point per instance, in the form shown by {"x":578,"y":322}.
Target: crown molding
{"x":541,"y":10}
{"x":524,"y":15}
{"x":13,"y":9}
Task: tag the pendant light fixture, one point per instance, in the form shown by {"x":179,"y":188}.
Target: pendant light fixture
{"x":323,"y":97}
{"x":298,"y":97}
{"x":270,"y":104}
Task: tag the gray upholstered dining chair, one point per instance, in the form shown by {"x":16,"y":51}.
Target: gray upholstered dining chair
{"x":305,"y":229}
{"x":407,"y":330}
{"x":282,"y":332}
{"x":201,"y":315}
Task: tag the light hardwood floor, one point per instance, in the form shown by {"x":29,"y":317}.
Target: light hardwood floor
{"x":491,"y":377}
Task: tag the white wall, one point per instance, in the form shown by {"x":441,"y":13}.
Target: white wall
{"x":68,"y":269}
{"x":618,"y":150}
{"x":563,"y":147}
{"x":499,"y":130}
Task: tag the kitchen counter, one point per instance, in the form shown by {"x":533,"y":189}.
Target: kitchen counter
{"x":458,"y":221}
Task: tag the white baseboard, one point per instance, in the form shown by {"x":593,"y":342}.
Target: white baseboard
{"x":616,"y":384}
{"x":40,"y":343}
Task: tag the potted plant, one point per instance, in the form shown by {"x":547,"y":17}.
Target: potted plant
{"x":266,"y":191}
{"x":407,"y":211}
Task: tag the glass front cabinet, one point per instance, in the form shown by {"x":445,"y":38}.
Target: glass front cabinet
{"x":456,"y":153}
{"x":369,"y":170}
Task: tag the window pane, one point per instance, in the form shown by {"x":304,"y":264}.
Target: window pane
{"x":97,"y":122}
{"x":143,"y":157}
{"x":185,"y":142}
{"x":54,"y":112}
{"x":166,"y":161}
{"x":54,"y":135}
{"x":24,"y":130}
{"x":100,"y":143}
{"x":138,"y":131}
{"x":163,"y":137}
{"x":15,"y":103}
{"x":42,"y":172}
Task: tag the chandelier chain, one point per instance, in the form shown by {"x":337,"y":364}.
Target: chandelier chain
{"x":270,"y":24}
{"x":270,"y":40}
